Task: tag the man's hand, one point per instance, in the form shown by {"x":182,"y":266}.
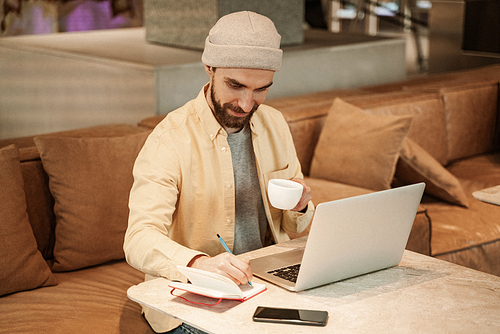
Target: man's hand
{"x":225,"y":264}
{"x":306,"y":195}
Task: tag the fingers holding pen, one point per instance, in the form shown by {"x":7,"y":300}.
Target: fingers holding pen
{"x":237,"y":269}
{"x":226,"y":264}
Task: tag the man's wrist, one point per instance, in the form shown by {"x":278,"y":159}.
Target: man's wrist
{"x":193,"y":261}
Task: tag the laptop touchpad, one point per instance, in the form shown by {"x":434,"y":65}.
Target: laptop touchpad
{"x":277,"y":260}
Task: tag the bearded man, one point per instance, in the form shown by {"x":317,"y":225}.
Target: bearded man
{"x":203,"y":170}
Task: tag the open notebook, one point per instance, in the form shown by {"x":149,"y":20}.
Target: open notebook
{"x":213,"y":285}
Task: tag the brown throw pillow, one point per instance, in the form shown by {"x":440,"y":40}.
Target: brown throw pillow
{"x":359,"y":148}
{"x":90,"y":180}
{"x":417,"y":165}
{"x":22,"y":266}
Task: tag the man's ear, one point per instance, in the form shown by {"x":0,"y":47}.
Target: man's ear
{"x":209,"y":70}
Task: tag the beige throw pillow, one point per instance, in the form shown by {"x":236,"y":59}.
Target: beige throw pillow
{"x":417,"y":165}
{"x":22,"y":266}
{"x":359,"y":148}
{"x":90,"y":180}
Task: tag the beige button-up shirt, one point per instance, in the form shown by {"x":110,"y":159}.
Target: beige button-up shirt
{"x":183,"y":192}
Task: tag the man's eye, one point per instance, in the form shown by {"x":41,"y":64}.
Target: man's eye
{"x":233,"y":84}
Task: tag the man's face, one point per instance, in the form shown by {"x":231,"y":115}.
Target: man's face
{"x":236,"y":93}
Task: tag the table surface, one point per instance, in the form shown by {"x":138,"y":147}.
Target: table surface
{"x":488,"y":195}
{"x":420,"y":295}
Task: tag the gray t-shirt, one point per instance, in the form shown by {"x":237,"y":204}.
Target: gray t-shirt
{"x":250,"y":220}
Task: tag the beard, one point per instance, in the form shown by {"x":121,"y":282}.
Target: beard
{"x":224,"y":117}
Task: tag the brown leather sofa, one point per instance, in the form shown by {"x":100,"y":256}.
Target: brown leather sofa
{"x":64,"y":195}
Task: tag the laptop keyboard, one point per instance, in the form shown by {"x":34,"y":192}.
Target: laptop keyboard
{"x":288,"y":273}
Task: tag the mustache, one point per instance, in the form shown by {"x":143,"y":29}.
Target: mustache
{"x":239,"y":109}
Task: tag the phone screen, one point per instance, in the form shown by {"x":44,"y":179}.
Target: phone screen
{"x":290,"y":316}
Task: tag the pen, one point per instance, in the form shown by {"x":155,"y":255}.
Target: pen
{"x":227,"y":249}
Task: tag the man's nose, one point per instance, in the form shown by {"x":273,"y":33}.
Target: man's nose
{"x":246,"y":102}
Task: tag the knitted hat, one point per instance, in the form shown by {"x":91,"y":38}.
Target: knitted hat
{"x":243,"y":40}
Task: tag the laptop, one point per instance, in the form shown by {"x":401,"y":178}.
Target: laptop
{"x":348,"y":238}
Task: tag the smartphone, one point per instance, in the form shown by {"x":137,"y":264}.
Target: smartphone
{"x":290,"y":316}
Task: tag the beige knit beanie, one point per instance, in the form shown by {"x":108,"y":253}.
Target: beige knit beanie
{"x":243,"y":40}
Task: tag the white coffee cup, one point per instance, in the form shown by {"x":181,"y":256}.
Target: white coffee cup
{"x":284,"y":194}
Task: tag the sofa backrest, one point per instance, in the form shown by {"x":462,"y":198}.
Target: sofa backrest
{"x":455,"y":115}
{"x":472,"y":108}
{"x":472,"y":111}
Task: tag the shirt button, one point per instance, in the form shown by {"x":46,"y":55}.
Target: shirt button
{"x":228,"y":221}
{"x":228,"y":186}
{"x":223,"y":149}
{"x":212,"y":136}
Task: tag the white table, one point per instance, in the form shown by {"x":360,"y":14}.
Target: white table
{"x":488,"y":195}
{"x":421,"y":295}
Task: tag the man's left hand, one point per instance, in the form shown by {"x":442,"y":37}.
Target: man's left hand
{"x":306,"y":195}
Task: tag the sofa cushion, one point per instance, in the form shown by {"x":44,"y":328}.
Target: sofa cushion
{"x":93,"y":300}
{"x":90,"y":180}
{"x":359,"y":148}
{"x":22,"y":266}
{"x":483,"y":169}
{"x":469,"y":237}
{"x":416,"y":165}
{"x":428,"y":127}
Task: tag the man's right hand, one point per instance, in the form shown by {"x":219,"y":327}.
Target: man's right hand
{"x":225,"y":264}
